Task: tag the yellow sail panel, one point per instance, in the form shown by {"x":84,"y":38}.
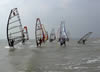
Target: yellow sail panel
{"x":45,"y":32}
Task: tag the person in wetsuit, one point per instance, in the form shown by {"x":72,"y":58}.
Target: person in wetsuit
{"x":39,"y":42}
{"x":11,"y":43}
{"x":63,"y":41}
{"x":23,"y":39}
{"x":84,"y":41}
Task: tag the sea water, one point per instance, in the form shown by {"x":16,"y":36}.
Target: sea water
{"x":50,"y":57}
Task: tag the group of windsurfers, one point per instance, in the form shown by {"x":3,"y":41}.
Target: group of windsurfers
{"x":43,"y":34}
{"x":61,"y":40}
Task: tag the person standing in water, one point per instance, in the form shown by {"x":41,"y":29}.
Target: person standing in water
{"x":39,"y":42}
{"x":84,"y":41}
{"x":63,"y":41}
{"x":23,"y":39}
{"x":11,"y":43}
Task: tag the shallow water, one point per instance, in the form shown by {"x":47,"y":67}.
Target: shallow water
{"x":50,"y":57}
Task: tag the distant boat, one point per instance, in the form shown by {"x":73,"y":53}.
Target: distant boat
{"x":52,"y":35}
{"x":26,"y":33}
{"x":41,"y":34}
{"x":15,"y":32}
{"x":84,"y":38}
{"x":63,"y":37}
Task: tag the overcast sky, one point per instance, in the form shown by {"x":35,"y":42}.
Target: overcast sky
{"x":81,"y":16}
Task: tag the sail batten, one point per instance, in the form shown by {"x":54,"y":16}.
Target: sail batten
{"x":15,"y":32}
{"x":14,"y":21}
{"x":14,"y":27}
{"x":14,"y":16}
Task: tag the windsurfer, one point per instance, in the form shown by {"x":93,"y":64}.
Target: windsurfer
{"x":84,"y":41}
{"x":63,"y":41}
{"x":39,"y":42}
{"x":23,"y":39}
{"x":11,"y":43}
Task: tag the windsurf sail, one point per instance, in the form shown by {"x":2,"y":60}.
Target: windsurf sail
{"x":85,"y":37}
{"x":52,"y":35}
{"x":39,"y":34}
{"x":63,"y":33}
{"x":45,"y":33}
{"x":26,"y":33}
{"x":14,"y":28}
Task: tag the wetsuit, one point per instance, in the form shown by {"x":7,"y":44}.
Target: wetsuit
{"x":39,"y":42}
{"x":84,"y":41}
{"x":23,"y":40}
{"x":62,"y":41}
{"x":11,"y":43}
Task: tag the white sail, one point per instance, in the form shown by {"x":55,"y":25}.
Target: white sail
{"x":14,"y":27}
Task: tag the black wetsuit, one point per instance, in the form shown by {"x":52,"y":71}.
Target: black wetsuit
{"x":62,"y":41}
{"x":84,"y":41}
{"x":39,"y":42}
{"x":23,"y":40}
{"x":11,"y":43}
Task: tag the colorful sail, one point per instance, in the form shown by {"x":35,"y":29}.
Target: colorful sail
{"x":14,"y":28}
{"x":45,"y":33}
{"x":39,"y":34}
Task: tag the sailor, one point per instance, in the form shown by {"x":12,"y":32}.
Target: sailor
{"x":39,"y":42}
{"x":63,"y":41}
{"x":11,"y":43}
{"x":23,"y":39}
{"x":84,"y":41}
